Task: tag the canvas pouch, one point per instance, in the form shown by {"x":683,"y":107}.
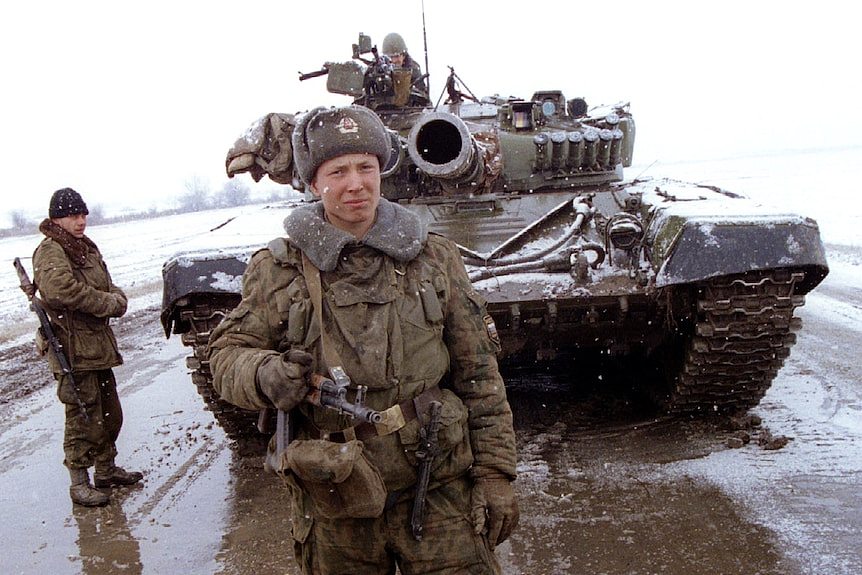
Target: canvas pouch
{"x":338,"y":477}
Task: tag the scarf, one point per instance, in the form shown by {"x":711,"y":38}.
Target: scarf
{"x":75,"y":248}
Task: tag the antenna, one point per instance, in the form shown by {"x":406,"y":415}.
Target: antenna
{"x":425,"y":41}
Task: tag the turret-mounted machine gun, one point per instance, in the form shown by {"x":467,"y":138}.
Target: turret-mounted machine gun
{"x":373,"y":82}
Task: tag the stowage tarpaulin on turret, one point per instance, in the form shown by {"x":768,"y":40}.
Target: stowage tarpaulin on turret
{"x":264,"y":149}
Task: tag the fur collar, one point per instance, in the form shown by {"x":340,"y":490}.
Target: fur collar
{"x":397,"y":232}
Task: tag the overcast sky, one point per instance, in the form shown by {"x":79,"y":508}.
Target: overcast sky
{"x":128,"y":101}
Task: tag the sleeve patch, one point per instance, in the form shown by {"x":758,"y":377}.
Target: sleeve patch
{"x":491,"y":328}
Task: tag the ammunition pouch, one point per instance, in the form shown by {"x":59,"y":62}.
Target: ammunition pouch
{"x":338,"y":478}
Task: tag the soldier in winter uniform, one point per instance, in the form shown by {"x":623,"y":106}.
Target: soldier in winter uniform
{"x":396,"y":49}
{"x":358,"y":282}
{"x":80,"y":297}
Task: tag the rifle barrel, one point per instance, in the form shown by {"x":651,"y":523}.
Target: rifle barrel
{"x":357,"y":411}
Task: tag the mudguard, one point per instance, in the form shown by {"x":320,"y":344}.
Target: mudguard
{"x":696,"y":248}
{"x":200,"y":275}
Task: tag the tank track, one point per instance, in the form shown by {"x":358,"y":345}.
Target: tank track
{"x":742,"y":335}
{"x":240,"y":425}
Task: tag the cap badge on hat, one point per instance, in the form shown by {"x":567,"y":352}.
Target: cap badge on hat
{"x":347,"y":125}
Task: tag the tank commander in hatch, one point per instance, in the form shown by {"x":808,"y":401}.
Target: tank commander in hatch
{"x":80,"y":298}
{"x":395,"y":49}
{"x":358,"y":283}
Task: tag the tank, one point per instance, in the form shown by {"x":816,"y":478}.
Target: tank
{"x":576,"y":262}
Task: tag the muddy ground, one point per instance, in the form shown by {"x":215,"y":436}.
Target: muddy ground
{"x":606,"y":486}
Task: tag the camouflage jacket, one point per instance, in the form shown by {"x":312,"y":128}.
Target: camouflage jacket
{"x":416,"y":79}
{"x":403,"y":317}
{"x":80,"y":298}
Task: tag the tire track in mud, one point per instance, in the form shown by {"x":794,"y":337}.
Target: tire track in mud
{"x":19,"y":448}
{"x":174,"y":487}
{"x":175,"y":439}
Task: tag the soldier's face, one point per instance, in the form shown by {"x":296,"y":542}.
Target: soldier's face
{"x":75,"y":224}
{"x":349,"y":187}
{"x":397,"y":59}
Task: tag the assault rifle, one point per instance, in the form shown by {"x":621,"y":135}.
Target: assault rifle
{"x":325,"y":392}
{"x":428,"y":449}
{"x":48,"y":330}
{"x":332,"y":393}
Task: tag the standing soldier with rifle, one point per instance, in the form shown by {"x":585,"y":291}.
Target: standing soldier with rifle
{"x":78,"y":298}
{"x":420,"y":479}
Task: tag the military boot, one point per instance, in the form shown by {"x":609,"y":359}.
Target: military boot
{"x":82,"y":492}
{"x":112,"y":475}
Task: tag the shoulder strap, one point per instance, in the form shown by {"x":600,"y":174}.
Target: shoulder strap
{"x":278,"y":248}
{"x":315,"y":290}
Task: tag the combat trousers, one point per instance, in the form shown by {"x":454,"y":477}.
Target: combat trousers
{"x":377,"y":546}
{"x":87,"y":443}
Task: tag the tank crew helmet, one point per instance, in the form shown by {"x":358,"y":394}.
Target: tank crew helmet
{"x":393,"y":44}
{"x":325,"y":133}
{"x":66,"y":202}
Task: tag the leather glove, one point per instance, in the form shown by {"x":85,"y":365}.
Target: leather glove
{"x":494,"y":499}
{"x":284,"y":378}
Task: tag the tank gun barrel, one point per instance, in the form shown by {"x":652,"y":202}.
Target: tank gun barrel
{"x":441,"y":146}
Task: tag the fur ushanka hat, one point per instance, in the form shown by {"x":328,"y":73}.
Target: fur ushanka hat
{"x":326,"y":133}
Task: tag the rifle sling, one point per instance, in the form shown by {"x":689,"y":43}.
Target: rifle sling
{"x":315,"y":290}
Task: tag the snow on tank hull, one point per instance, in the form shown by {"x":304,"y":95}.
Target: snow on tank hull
{"x":706,"y":294}
{"x":572,"y":260}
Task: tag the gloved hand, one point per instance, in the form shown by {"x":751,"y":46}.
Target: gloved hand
{"x":114,"y":305}
{"x":494,"y":501}
{"x":284,"y":378}
{"x":121,"y":305}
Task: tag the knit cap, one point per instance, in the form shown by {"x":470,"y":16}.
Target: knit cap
{"x":66,"y":202}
